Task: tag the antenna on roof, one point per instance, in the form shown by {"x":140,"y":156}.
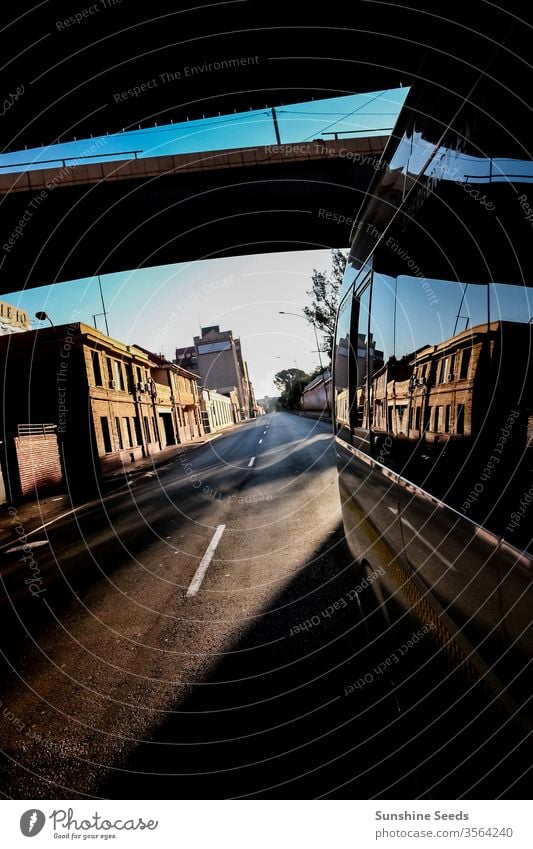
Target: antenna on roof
{"x":103,"y":304}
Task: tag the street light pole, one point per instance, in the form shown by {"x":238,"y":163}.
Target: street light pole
{"x":43,"y":316}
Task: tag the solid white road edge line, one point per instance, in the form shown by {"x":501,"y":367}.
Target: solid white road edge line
{"x":199,"y":575}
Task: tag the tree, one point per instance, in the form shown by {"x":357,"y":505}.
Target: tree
{"x":325,"y":296}
{"x":291,"y":382}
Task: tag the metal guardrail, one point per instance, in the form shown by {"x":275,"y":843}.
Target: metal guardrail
{"x":73,"y":158}
{"x":345,"y":132}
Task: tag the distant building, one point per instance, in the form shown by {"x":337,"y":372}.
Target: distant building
{"x":216,"y":357}
{"x":80,"y":404}
{"x":12,"y":319}
{"x":268,"y":403}
{"x":219,"y":411}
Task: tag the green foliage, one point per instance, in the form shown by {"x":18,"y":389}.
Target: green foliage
{"x":325,"y":294}
{"x":291,"y":382}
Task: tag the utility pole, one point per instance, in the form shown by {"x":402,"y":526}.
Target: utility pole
{"x":276,"y":127}
{"x":104,"y":313}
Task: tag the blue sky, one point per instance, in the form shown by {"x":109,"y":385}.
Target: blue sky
{"x":163,"y":307}
{"x":353,"y":114}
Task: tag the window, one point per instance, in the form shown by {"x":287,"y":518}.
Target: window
{"x":147,"y":429}
{"x":106,"y":435}
{"x":342,"y":368}
{"x":213,"y":347}
{"x":138,"y":432}
{"x":451,"y":372}
{"x":130,"y":378}
{"x":118,"y":375}
{"x":412,"y":331}
{"x":97,"y":371}
{"x":109,"y":366}
{"x":465,"y":363}
{"x":127,"y":431}
{"x":119,"y":433}
{"x":460,"y":420}
{"x":400,"y":413}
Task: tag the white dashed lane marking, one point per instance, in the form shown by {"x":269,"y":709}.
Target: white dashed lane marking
{"x":199,"y":575}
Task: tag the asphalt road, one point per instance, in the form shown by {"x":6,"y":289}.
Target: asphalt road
{"x":198,"y":634}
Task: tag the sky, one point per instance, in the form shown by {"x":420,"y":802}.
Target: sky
{"x":355,"y":114}
{"x":163,"y":307}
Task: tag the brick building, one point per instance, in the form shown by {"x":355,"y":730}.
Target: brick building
{"x":178,"y":399}
{"x":440,"y":392}
{"x":12,"y":320}
{"x":80,"y":404}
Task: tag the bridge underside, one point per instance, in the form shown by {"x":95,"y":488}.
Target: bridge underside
{"x":111,"y":226}
{"x":67,"y":76}
{"x":78,"y":65}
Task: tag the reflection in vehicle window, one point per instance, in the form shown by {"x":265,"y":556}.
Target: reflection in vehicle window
{"x":453,"y":397}
{"x":342,"y":368}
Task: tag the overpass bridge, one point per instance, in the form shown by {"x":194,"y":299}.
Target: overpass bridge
{"x":76,"y":220}
{"x":68,"y":74}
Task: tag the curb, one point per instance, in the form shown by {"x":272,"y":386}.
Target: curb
{"x":121,"y":479}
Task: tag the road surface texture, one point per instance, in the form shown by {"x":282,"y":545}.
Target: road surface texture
{"x":198,"y":633}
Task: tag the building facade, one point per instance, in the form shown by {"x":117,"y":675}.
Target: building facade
{"x":216,"y":357}
{"x":12,"y":320}
{"x":219,"y":411}
{"x":177,"y":397}
{"x":81,"y":405}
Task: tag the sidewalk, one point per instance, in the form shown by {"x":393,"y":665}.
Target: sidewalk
{"x":21,"y":519}
{"x":322,"y":417}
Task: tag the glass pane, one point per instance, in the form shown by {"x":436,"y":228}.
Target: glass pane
{"x":453,"y":398}
{"x":342,"y":368}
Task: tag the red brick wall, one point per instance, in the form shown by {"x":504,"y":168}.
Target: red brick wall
{"x":39,"y":464}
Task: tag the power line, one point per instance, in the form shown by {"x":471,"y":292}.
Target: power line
{"x":181,"y":124}
{"x":358,"y":109}
{"x":320,"y":114}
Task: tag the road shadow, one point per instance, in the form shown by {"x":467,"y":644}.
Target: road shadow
{"x":282,"y":715}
